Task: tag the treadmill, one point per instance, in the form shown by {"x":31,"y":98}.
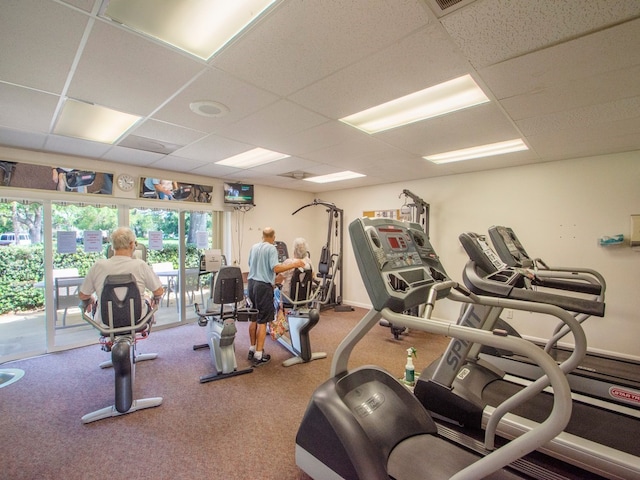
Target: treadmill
{"x":596,"y":438}
{"x":612,"y":379}
{"x":363,"y":423}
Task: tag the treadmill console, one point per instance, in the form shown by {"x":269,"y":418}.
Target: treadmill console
{"x":490,"y":266}
{"x":397,"y":263}
{"x":509,"y":248}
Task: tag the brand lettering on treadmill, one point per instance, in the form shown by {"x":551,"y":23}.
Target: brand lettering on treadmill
{"x":454,"y":355}
{"x":370,"y":405}
{"x":459,"y":348}
{"x":622,"y":394}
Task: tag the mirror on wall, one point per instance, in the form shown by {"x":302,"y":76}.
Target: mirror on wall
{"x":63,"y":179}
{"x":171,"y":190}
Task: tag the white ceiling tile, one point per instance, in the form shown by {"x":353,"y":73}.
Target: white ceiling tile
{"x":20,"y":139}
{"x":36,"y":51}
{"x":75,"y":146}
{"x":317,"y":138}
{"x":124,"y":71}
{"x":131,"y":156}
{"x":492,"y":31}
{"x":86,"y":5}
{"x":274,"y":122}
{"x":213,"y":148}
{"x":610,"y":51}
{"x":470,"y":127}
{"x":166,"y":132}
{"x":169,"y":162}
{"x":239,"y":97}
{"x":588,"y":139}
{"x":26,"y":109}
{"x":303,"y":41}
{"x":603,"y":88}
{"x":400,"y":69}
{"x":626,"y":109}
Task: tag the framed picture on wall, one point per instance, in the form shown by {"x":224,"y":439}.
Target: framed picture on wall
{"x":163,"y":189}
{"x":62,"y":179}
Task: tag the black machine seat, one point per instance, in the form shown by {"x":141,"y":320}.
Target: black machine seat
{"x":121,"y":308}
{"x":228,"y":292}
{"x":300,"y":293}
{"x":120,"y":302}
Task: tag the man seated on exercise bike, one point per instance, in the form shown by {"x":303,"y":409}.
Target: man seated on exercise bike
{"x":123,"y":242}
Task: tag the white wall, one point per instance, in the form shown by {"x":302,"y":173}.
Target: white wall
{"x":559,"y":210}
{"x":274,"y":208}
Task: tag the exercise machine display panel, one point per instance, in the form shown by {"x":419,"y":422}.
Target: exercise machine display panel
{"x":397,"y":262}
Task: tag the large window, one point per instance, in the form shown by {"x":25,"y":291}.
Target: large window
{"x":175,"y":257}
{"x":80,"y":236}
{"x":47,"y":247}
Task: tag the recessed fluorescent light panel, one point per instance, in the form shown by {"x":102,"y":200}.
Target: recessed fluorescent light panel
{"x":195,"y":26}
{"x":447,"y":97}
{"x":334,"y":177}
{"x":93,"y":122}
{"x":252,"y":158}
{"x":489,"y":150}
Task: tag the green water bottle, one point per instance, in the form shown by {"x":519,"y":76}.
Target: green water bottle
{"x":409,"y":369}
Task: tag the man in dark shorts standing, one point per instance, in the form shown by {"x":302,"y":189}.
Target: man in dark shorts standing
{"x":263,"y":268}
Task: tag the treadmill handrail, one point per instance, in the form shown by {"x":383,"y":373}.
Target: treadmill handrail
{"x":483,"y":286}
{"x":542,"y":267}
{"x":531,"y":440}
{"x":570,"y":364}
{"x":567,"y":281}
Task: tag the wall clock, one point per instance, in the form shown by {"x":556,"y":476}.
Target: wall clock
{"x":126,"y":182}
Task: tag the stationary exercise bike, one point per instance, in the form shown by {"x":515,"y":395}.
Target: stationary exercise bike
{"x":224,"y":309}
{"x":302,"y":316}
{"x":126,"y":322}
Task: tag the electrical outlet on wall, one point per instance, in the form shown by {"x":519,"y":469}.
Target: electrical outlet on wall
{"x":634,"y":238}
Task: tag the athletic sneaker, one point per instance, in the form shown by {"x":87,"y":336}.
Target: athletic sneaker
{"x":250,"y":356}
{"x":266,"y":358}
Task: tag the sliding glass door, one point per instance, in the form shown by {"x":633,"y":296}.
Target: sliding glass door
{"x":22,"y":318}
{"x":79,"y":237}
{"x":174,"y":241}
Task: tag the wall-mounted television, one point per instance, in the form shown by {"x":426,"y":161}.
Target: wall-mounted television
{"x":238,"y":194}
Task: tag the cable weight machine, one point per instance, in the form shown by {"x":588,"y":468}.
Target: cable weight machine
{"x":330,"y":263}
{"x":417,"y":211}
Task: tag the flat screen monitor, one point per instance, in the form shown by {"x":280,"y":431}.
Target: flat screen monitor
{"x":238,"y":194}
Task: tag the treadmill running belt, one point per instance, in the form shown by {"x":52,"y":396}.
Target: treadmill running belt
{"x":589,"y":422}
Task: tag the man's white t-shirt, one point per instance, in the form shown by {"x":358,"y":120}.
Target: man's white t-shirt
{"x":146,"y":278}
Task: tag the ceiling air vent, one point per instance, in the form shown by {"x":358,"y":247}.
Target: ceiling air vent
{"x":296,"y":175}
{"x":444,"y":7}
{"x":148,"y":144}
{"x":444,"y":4}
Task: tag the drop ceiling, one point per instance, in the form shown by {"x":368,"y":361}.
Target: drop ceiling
{"x":562,"y":75}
